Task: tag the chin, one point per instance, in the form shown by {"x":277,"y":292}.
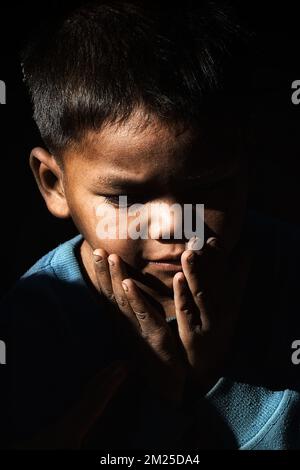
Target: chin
{"x":160,"y":281}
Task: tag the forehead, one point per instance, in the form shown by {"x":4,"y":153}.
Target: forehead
{"x":159,"y":151}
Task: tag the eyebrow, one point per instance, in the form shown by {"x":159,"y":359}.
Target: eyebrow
{"x":119,"y":182}
{"x":208,"y":177}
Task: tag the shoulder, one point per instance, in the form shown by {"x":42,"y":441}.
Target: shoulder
{"x":255,"y":416}
{"x":54,"y":335}
{"x":61,"y":261}
{"x":37,"y":294}
{"x":52,"y":301}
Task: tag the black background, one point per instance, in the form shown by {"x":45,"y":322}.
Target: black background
{"x":273,"y":136}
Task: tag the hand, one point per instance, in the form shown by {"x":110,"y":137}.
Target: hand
{"x":206,"y":303}
{"x":207,"y":299}
{"x":70,"y":432}
{"x":159,"y":358}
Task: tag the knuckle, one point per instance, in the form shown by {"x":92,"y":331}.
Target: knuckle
{"x":130,"y":301}
{"x":110,"y":295}
{"x":196,"y":329}
{"x":101,"y":268}
{"x":121,"y":301}
{"x":140,"y":314}
{"x":185,"y":310}
{"x":200,"y":296}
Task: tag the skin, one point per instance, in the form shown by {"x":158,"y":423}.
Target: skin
{"x":158,"y":163}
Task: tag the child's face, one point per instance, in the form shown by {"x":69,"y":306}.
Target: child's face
{"x":153,"y":165}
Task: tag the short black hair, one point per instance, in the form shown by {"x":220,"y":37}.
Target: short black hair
{"x":103,"y":60}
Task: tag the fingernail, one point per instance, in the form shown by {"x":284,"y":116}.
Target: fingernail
{"x":181,"y":279}
{"x":97,"y":256}
{"x":125,"y":287}
{"x":213,"y":241}
{"x":195,"y":243}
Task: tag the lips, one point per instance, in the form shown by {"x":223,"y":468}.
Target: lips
{"x":175,"y":258}
{"x":167,"y":261}
{"x":167,"y":264}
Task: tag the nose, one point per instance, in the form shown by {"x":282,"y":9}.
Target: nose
{"x":166,"y":220}
{"x":170,"y":220}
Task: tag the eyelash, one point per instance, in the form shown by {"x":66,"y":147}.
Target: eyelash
{"x":114,"y":200}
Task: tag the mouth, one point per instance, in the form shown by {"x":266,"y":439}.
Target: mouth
{"x":171,"y":264}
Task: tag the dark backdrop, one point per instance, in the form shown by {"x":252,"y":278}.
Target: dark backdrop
{"x":28,"y":231}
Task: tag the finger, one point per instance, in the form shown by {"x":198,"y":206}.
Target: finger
{"x":102,"y":273}
{"x":191,"y":264}
{"x":118,"y":274}
{"x":187,"y":314}
{"x":150,"y":321}
{"x":195,"y":270}
{"x":203,"y":267}
{"x":97,"y":395}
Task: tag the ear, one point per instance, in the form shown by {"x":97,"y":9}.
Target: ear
{"x":49,"y":177}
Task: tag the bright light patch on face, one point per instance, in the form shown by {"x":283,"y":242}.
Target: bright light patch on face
{"x":151,"y":221}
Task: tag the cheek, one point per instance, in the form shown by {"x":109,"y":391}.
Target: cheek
{"x":91,"y":225}
{"x":129,"y":250}
{"x":84,"y":217}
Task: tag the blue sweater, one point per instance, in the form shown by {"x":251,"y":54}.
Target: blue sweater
{"x":61,"y":333}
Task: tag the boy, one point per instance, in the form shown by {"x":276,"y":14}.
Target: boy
{"x":127,"y":101}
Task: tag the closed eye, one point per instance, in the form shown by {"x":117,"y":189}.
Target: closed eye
{"x":122,"y":200}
